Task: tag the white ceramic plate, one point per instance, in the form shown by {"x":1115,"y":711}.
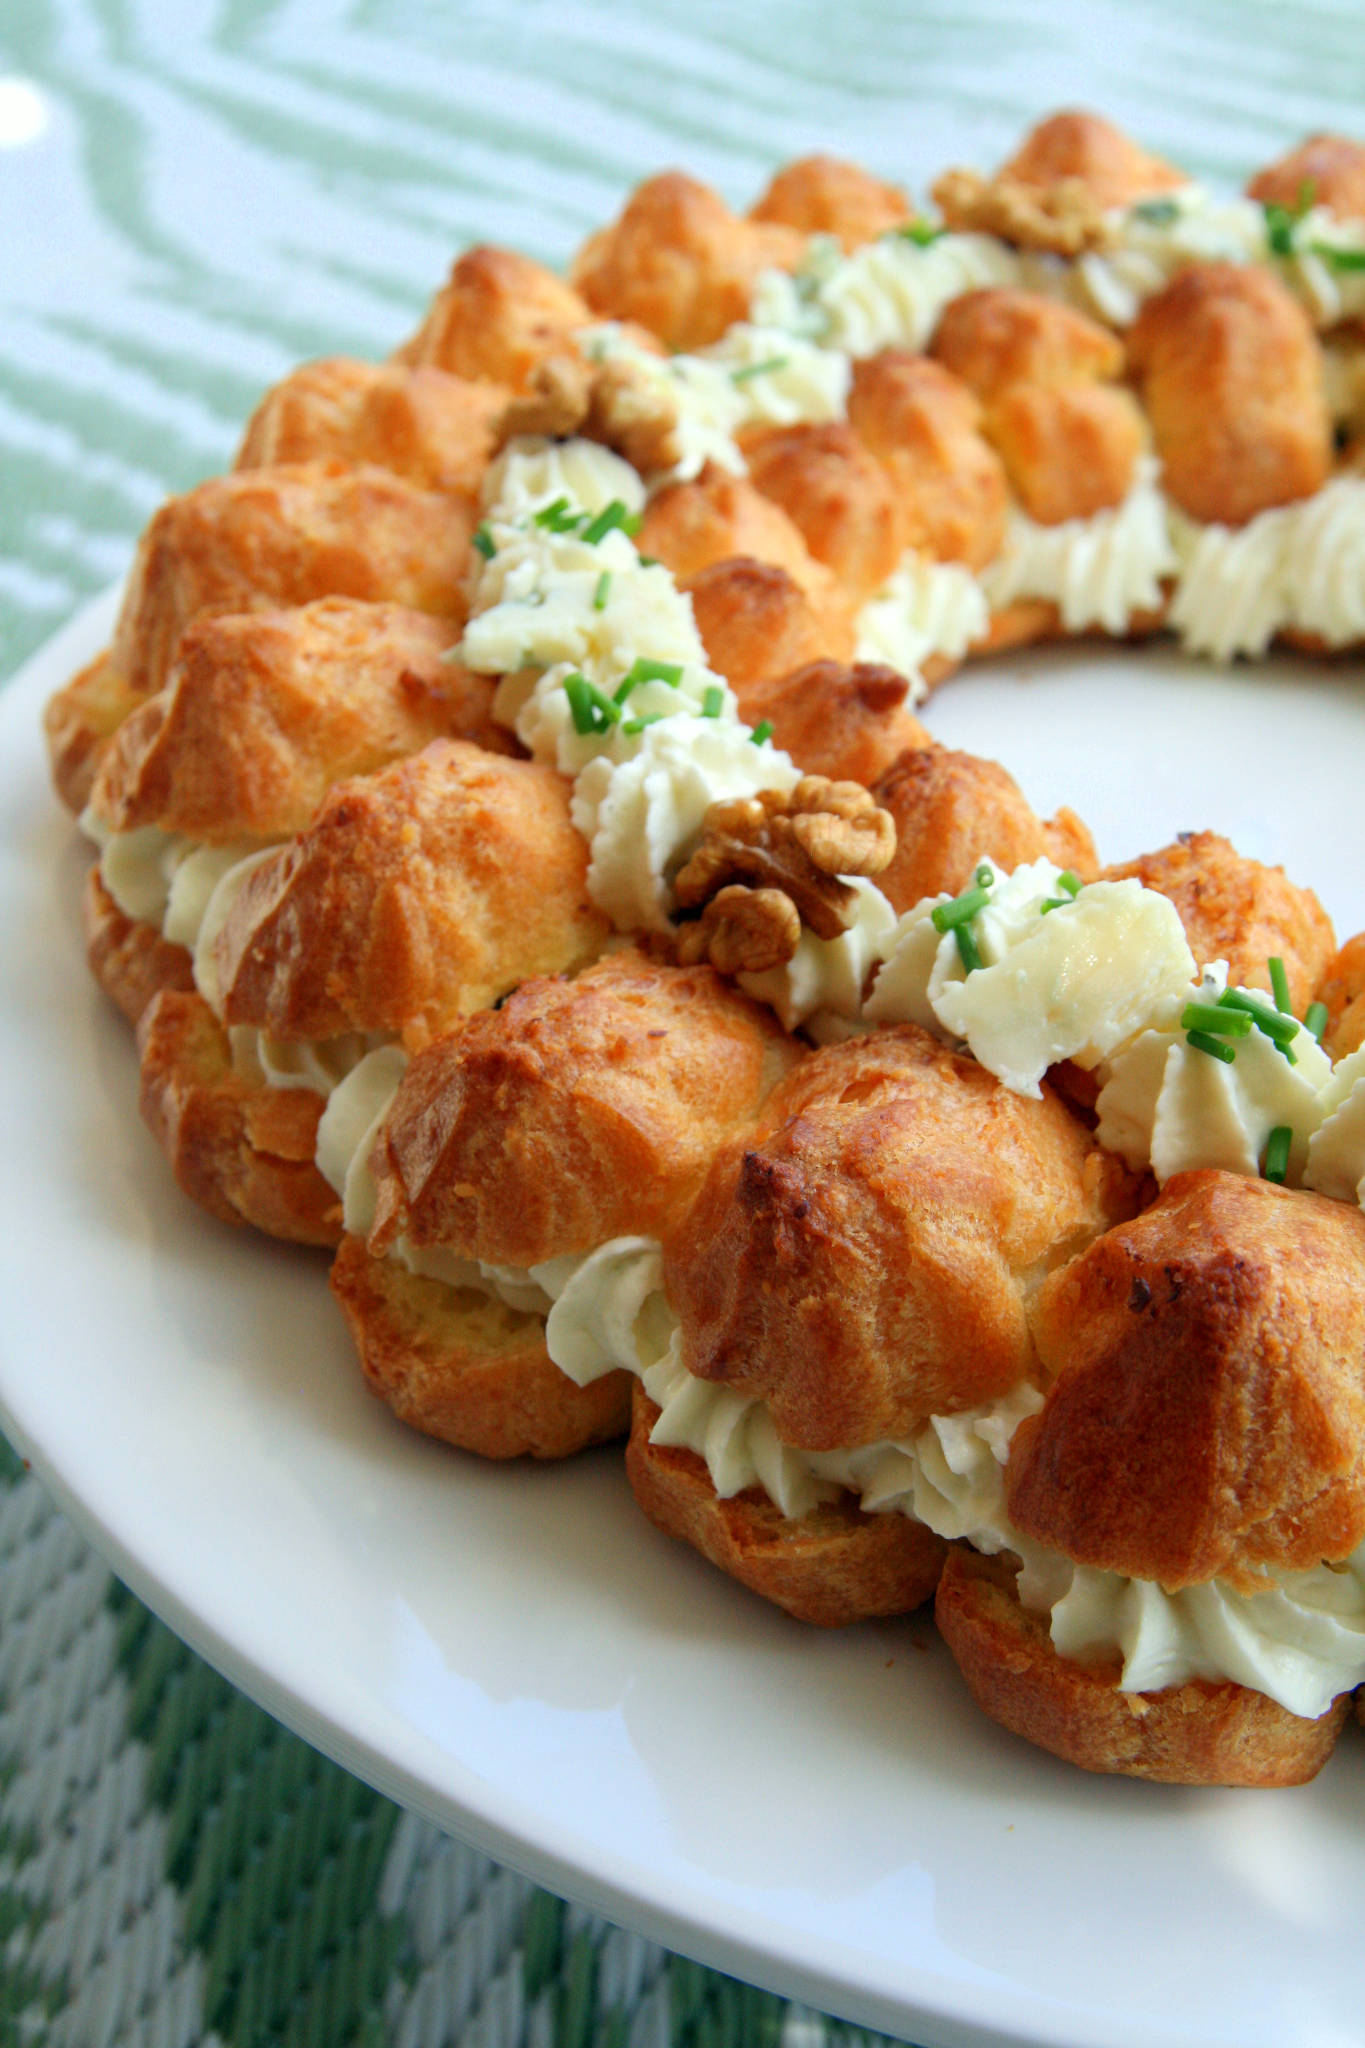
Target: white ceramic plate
{"x":517,"y":1655}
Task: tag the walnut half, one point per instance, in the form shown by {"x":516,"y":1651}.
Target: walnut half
{"x":1064,"y":217}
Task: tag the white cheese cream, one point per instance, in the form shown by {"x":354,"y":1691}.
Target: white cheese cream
{"x":1102,"y":571}
{"x":1298,"y":567}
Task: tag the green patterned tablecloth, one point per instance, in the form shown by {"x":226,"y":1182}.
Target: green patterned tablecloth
{"x":193,"y":195}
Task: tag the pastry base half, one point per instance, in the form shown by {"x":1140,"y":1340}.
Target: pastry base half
{"x":132,"y":962}
{"x":466,"y":1368}
{"x":833,"y":1566}
{"x":1205,"y":1732}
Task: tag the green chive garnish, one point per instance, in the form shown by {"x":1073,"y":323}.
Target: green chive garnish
{"x":1211,"y":1017}
{"x":634,"y":725}
{"x":1315,"y":1018}
{"x":920,"y":232}
{"x":712,"y":702}
{"x":602,"y":592}
{"x":1279,"y":986}
{"x":985,"y":876}
{"x":762,"y":369}
{"x":1277,"y":1153}
{"x":593,"y":711}
{"x":483,"y":541}
{"x":1217,"y":1048}
{"x":1339,"y":259}
{"x":1070,"y":881}
{"x":1279,"y":1029}
{"x":613,"y":515}
{"x":967,"y":950}
{"x":1158,"y":213}
{"x":557,"y":517}
{"x":761,"y":733}
{"x":649,"y":561}
{"x":947,"y":917}
{"x":643,"y":670}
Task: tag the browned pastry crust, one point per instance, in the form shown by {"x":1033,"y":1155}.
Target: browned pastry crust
{"x":1231,"y":375}
{"x":78,"y":721}
{"x":1204,"y":1732}
{"x":1002,"y":336}
{"x":242,"y":1150}
{"x":1207,"y":1418}
{"x":755,"y":622}
{"x":1342,"y":989}
{"x":833,"y":1566}
{"x":1084,"y":146}
{"x":264,"y":711}
{"x":578,"y":1112}
{"x":678,"y":261}
{"x":424,"y":424}
{"x":463,"y":1367}
{"x":415,"y":895}
{"x":690,"y":527}
{"x":953,"y":809}
{"x":1329,"y":170}
{"x":823,"y":195}
{"x":1235,"y":909}
{"x":496,"y":319}
{"x":130,"y":961}
{"x":924,"y":427}
{"x":849,"y":723}
{"x":1068,"y":452}
{"x":836,"y":494}
{"x":864,"y":1258}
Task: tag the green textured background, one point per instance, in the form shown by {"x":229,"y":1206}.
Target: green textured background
{"x":193,"y":196}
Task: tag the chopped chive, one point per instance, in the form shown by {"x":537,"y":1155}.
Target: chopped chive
{"x":602,"y":592}
{"x":762,"y":733}
{"x":1339,"y":259}
{"x":1211,"y":1017}
{"x":742,"y":376}
{"x":1281,"y":1030}
{"x":634,"y":725}
{"x":1070,"y":881}
{"x":1315,"y":1018}
{"x":557,"y":517}
{"x":985,"y":876}
{"x":1277,"y":1153}
{"x":1052,"y":903}
{"x":643,"y":670}
{"x":712,"y":702}
{"x":649,"y":561}
{"x":946,"y":917}
{"x":1279,"y":229}
{"x":920,"y":232}
{"x":593,"y":711}
{"x":967,"y":950}
{"x":613,"y":515}
{"x":1279,"y":986}
{"x":484,"y":542}
{"x":1158,"y":213}
{"x":1217,"y":1048}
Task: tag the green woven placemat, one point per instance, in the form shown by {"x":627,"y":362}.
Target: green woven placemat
{"x":178,"y":1869}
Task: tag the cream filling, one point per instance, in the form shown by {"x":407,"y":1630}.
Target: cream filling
{"x":1299,"y":567}
{"x":1336,"y":1151}
{"x":890,"y":293}
{"x":1100,"y":571}
{"x":925,"y":608}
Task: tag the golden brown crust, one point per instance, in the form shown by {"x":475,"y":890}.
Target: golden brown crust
{"x":924,"y":427}
{"x":578,"y":1112}
{"x":1208,"y":1413}
{"x":952,"y":810}
{"x":1002,"y":336}
{"x":1231,"y":375}
{"x":242,"y":1150}
{"x":434,"y":429}
{"x":824,"y":195}
{"x":415,"y":895}
{"x":1204,"y":1732}
{"x":836,"y":494}
{"x":1075,"y":144}
{"x":264,"y":711}
{"x":131,"y":962}
{"x":717,"y":517}
{"x":833,"y":1566}
{"x":1069,"y":452}
{"x":1342,"y":989}
{"x":1329,"y":170}
{"x":460,"y":1366}
{"x":678,"y":261}
{"x":79,"y":720}
{"x":264,"y":538}
{"x":496,"y":318}
{"x":1235,"y":909}
{"x":863,"y":1259}
{"x":755,"y":622}
{"x":847,"y":722}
